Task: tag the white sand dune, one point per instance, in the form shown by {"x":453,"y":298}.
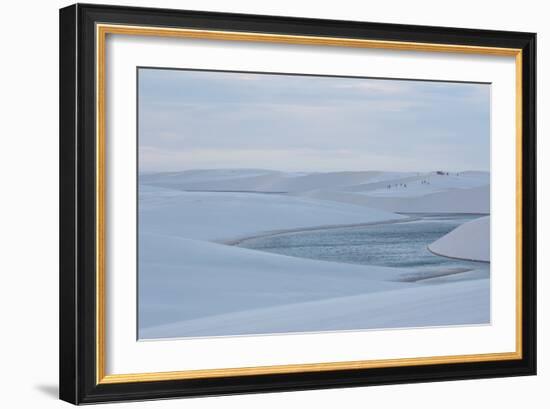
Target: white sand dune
{"x":197,"y":278}
{"x":469,"y":241}
{"x":465,"y":302}
{"x":463,"y":192}
{"x":190,"y":285}
{"x":474,"y":200}
{"x":423,"y":185}
{"x":263,"y":181}
{"x":230,"y":215}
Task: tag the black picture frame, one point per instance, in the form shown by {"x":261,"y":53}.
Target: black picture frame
{"x":78,"y":359}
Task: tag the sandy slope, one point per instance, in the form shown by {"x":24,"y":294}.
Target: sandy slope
{"x":474,"y":200}
{"x":466,"y":302}
{"x":469,"y":241}
{"x":463,"y":192}
{"x":229,"y":215}
{"x":190,"y":285}
{"x":197,"y":278}
{"x":263,"y":180}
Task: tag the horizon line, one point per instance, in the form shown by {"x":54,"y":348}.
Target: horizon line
{"x":309,"y":171}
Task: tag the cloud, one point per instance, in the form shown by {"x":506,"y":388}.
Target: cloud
{"x":195,"y":119}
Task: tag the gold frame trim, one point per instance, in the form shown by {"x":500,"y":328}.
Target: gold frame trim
{"x":101,"y":33}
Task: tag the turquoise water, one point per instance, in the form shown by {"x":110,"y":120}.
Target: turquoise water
{"x":401,"y":245}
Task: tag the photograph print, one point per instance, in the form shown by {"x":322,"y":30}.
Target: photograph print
{"x":278,"y":203}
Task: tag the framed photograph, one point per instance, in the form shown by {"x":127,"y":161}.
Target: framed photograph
{"x":257,"y":203}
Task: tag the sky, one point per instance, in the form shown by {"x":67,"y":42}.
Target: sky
{"x":219,"y":120}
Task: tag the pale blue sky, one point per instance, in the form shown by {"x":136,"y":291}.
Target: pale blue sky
{"x":214,"y":120}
